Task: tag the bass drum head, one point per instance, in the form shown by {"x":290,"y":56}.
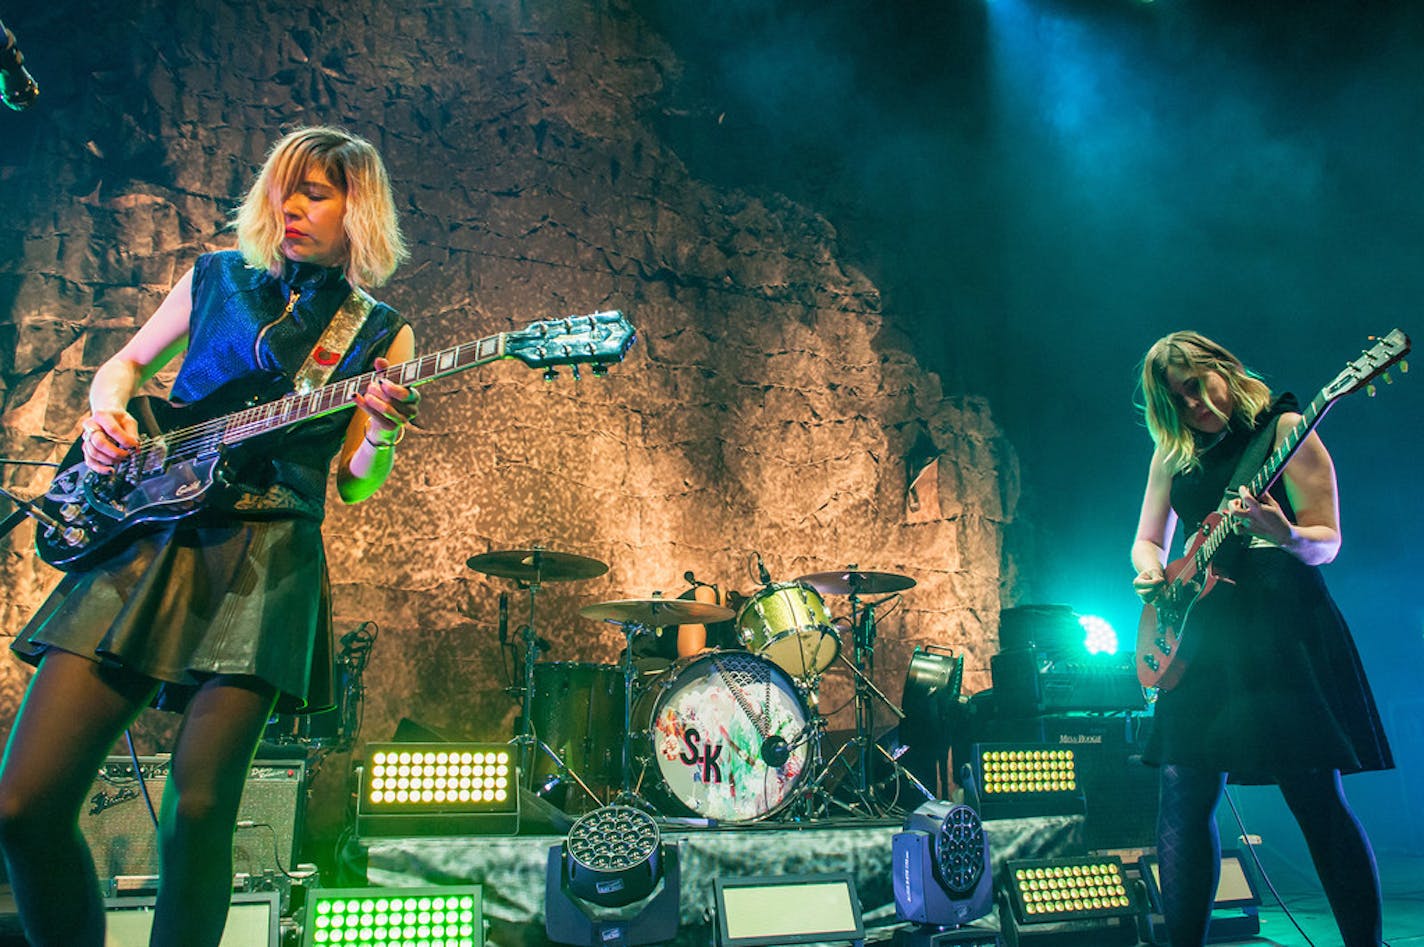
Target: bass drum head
{"x":727,"y":736}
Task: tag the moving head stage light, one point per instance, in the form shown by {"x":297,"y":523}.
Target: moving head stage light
{"x":611,"y":882}
{"x":940,"y":871}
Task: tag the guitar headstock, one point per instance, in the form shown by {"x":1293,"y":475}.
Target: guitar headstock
{"x":1372,"y":363}
{"x":599,"y":340}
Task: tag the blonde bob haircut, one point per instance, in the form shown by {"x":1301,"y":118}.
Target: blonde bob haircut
{"x":375,"y":246}
{"x":1195,"y":356}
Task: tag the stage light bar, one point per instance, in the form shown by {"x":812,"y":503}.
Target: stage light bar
{"x":1027,"y":779}
{"x":394,"y":917}
{"x":1067,"y":902}
{"x":1068,"y":889}
{"x":452,"y":789}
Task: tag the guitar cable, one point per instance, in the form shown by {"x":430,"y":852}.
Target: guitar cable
{"x":142,"y":783}
{"x":1261,"y":871}
{"x":22,"y":462}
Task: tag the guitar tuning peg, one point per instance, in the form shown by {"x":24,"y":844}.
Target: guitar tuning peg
{"x":1387,"y":379}
{"x":1370,"y":390}
{"x":599,"y":370}
{"x":550,"y":374}
{"x":1404,"y":367}
{"x":575,"y":370}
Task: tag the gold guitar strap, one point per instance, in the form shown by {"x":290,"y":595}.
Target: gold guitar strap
{"x":335,"y":341}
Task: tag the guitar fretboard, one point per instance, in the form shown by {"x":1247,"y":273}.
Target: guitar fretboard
{"x":294,"y":408}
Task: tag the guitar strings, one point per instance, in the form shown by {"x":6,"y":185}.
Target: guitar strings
{"x":153,"y":451}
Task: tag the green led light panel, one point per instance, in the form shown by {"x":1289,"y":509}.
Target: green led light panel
{"x":394,"y":917}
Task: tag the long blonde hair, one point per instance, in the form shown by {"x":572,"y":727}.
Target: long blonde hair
{"x":1194,"y":355}
{"x":375,"y":246}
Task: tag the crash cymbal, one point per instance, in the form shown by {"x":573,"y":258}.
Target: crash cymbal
{"x":656,"y":612}
{"x":857,"y":583}
{"x":536,"y":565}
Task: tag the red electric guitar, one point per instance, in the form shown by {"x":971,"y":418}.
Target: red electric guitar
{"x":1163,"y":648}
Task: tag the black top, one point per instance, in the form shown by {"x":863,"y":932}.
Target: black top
{"x":1276,"y":685}
{"x":243,"y":339}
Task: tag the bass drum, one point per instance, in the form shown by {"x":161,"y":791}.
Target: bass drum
{"x":727,"y":736}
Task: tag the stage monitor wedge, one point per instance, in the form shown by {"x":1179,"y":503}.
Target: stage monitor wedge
{"x":788,"y":909}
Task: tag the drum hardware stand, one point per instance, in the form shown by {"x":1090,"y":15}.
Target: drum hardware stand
{"x":526,"y":740}
{"x":863,"y":632}
{"x":627,"y":795}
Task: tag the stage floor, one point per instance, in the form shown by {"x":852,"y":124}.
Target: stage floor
{"x":512,"y":870}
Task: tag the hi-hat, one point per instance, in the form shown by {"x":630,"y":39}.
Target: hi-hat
{"x":536,"y":565}
{"x":857,"y":583}
{"x":656,"y":612}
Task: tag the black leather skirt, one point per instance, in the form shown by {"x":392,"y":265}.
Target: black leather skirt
{"x":187,"y":602}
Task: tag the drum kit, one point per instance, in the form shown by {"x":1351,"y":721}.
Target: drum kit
{"x":725,"y":735}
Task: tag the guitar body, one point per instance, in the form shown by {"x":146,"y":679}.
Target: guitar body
{"x":1164,"y":650}
{"x":99,"y":513}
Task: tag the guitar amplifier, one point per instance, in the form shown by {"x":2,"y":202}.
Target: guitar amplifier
{"x":116,"y":821}
{"x":1120,"y":791}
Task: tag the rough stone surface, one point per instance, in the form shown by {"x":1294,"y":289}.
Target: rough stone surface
{"x":757,"y":413}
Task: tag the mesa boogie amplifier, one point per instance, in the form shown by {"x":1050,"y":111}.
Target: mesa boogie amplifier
{"x":116,"y":822}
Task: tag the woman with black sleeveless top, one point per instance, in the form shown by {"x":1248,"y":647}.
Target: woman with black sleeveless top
{"x":1274,"y":692}
{"x":225,"y":615}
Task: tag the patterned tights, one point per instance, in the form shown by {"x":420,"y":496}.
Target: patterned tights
{"x":1189,"y":851}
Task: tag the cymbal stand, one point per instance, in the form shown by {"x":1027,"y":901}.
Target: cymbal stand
{"x":627,"y":795}
{"x":866,"y":693}
{"x":525,"y":738}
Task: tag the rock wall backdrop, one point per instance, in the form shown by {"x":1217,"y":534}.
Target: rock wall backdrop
{"x":759,"y":411}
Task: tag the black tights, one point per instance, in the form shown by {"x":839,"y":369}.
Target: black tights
{"x":1189,"y":852}
{"x":70,"y":719}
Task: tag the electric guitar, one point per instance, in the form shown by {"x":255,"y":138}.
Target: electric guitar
{"x":88,"y":516}
{"x":1163,"y":648}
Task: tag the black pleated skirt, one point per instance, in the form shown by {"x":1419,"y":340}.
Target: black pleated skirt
{"x":187,"y":602}
{"x":1276,"y":686}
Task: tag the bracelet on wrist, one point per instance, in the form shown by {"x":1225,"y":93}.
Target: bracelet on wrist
{"x":382,"y":445}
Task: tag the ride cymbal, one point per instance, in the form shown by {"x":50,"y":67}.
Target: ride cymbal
{"x":857,"y":583}
{"x":536,"y":565}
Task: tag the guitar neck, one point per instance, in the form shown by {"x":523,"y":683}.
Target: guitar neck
{"x":239,"y":426}
{"x":598,"y":339}
{"x":1271,"y":470}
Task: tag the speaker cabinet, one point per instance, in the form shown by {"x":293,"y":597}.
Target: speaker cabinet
{"x":116,"y":822}
{"x":1119,"y":789}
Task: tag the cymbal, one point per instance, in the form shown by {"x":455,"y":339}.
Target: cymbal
{"x":656,"y":612}
{"x":536,"y":565}
{"x":857,"y":583}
